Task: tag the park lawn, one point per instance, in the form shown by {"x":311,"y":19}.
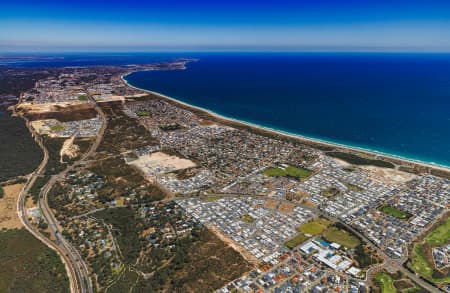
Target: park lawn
{"x":82,"y":98}
{"x":297,"y":172}
{"x":274,"y":172}
{"x":247,"y":218}
{"x":143,"y":113}
{"x":334,"y":234}
{"x":354,"y":187}
{"x":440,"y":235}
{"x":386,"y":283}
{"x":211,"y":197}
{"x":396,"y":213}
{"x":329,"y":192}
{"x":57,"y":127}
{"x":314,"y":227}
{"x":296,"y":241}
{"x":290,"y":171}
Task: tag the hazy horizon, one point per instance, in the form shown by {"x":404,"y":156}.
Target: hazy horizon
{"x":117,"y":26}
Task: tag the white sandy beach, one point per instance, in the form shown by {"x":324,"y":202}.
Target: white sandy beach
{"x":290,"y":135}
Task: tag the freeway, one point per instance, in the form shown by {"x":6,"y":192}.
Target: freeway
{"x":76,"y":268}
{"x":21,"y":211}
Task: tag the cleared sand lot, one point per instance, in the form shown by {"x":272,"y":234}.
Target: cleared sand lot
{"x":8,"y":207}
{"x":160,"y":163}
{"x":388,"y":176}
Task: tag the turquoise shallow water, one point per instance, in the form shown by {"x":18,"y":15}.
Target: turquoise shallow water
{"x":391,"y":103}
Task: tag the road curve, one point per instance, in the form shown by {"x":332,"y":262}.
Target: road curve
{"x":76,"y":268}
{"x":21,"y":212}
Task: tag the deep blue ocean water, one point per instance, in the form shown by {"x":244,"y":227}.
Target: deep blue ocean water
{"x":392,"y":103}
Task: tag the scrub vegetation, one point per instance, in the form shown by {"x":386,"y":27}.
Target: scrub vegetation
{"x":19,"y":154}
{"x":27,"y":265}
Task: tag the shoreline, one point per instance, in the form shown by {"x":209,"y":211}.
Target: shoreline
{"x":395,"y":159}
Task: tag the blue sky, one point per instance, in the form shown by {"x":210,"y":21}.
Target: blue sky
{"x":129,"y":25}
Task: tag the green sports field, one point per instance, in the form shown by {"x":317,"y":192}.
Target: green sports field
{"x":334,"y":234}
{"x":296,"y":241}
{"x":314,"y":227}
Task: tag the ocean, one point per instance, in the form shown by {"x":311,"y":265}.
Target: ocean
{"x":397,"y":104}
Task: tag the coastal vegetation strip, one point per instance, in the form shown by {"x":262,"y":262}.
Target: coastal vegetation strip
{"x":358,"y":160}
